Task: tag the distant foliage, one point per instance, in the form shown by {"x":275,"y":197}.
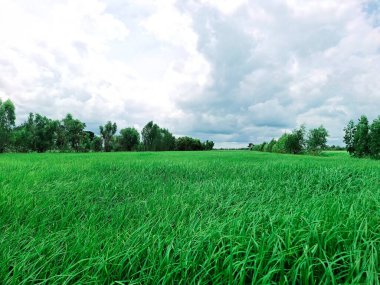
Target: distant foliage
{"x":208,"y":145}
{"x":128,"y":140}
{"x":166,"y":140}
{"x":156,"y":139}
{"x":280,"y":146}
{"x":41,"y":134}
{"x":85,"y":144}
{"x":268,"y":147}
{"x":72,"y":133}
{"x":7,"y":123}
{"x":374,"y":139}
{"x":107,"y":132}
{"x":36,"y":134}
{"x":349,"y":137}
{"x":150,"y":135}
{"x":296,"y":142}
{"x":187,"y":143}
{"x":96,"y":144}
{"x":317,"y":140}
{"x":335,"y":148}
{"x":363,"y":139}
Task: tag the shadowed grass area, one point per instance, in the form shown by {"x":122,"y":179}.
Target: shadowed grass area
{"x":215,"y":217}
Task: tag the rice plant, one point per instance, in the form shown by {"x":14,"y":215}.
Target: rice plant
{"x":231,"y":217}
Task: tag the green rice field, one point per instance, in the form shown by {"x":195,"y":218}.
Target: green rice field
{"x":218,"y":217}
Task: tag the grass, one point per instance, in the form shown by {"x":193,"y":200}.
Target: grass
{"x":215,"y":217}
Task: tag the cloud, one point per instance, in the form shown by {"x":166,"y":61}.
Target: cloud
{"x":72,"y":56}
{"x":233,"y":71}
{"x":270,"y":113}
{"x":56,"y":54}
{"x":225,"y":6}
{"x":283,"y":63}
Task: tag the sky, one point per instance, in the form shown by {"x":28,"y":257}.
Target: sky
{"x":233,"y":71}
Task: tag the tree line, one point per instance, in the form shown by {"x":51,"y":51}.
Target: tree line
{"x":296,"y":142}
{"x":40,"y":134}
{"x":363,"y":139}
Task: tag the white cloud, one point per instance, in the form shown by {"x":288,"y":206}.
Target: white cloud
{"x":57,"y":58}
{"x":225,"y":6}
{"x":55,"y":51}
{"x":299,"y":55}
{"x":270,"y":113}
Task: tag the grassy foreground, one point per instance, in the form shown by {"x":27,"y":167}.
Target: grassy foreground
{"x":184,"y":218}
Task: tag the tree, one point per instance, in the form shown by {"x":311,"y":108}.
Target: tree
{"x":96,"y":144}
{"x":374,"y":139}
{"x":37,"y":133}
{"x":269,"y":146}
{"x":23,"y":136}
{"x":208,"y":145}
{"x":316,"y":140}
{"x":20,"y":139}
{"x":150,"y":135}
{"x":295,"y":142}
{"x":155,"y":139}
{"x":257,"y":147}
{"x":361,"y":138}
{"x":166,"y":140}
{"x":263,"y":146}
{"x":279,"y":147}
{"x":188,"y":143}
{"x":61,"y":139}
{"x":90,"y":134}
{"x":73,"y":131}
{"x":129,"y":139}
{"x":7,"y":122}
{"x":44,"y":133}
{"x":107,"y":132}
{"x":85,"y":143}
{"x":349,"y":137}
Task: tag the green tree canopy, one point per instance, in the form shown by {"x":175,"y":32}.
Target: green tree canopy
{"x":269,"y":146}
{"x":129,"y":139}
{"x":374,"y":139}
{"x":361,"y":138}
{"x":96,"y":144}
{"x":208,"y":145}
{"x":188,"y":143}
{"x":73,"y":131}
{"x":108,"y":131}
{"x":150,"y":136}
{"x":316,"y":140}
{"x":7,"y":122}
{"x":349,"y":137}
{"x":279,"y":147}
{"x":167,"y":140}
{"x":295,"y":142}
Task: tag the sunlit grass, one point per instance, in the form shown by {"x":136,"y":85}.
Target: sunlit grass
{"x":184,"y":218}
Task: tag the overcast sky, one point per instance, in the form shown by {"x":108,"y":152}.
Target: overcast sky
{"x":234,"y":71}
